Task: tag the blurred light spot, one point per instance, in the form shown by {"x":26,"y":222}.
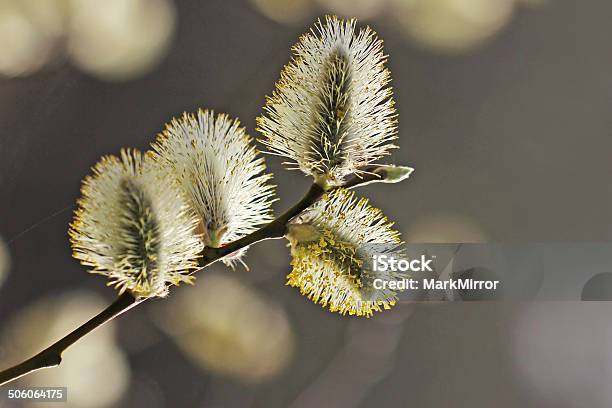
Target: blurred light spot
{"x":453,"y":25}
{"x":228,"y":328}
{"x":285,"y":11}
{"x":119,"y":39}
{"x":598,"y":288}
{"x":112,"y":40}
{"x":4,"y":262}
{"x":444,"y":228}
{"x":94,"y":369}
{"x":25,"y":48}
{"x":49,"y":16}
{"x":354,"y":8}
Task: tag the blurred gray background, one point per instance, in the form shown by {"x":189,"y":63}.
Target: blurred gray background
{"x":504,"y":112}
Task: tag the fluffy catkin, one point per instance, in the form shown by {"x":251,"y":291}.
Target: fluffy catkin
{"x":332,"y":112}
{"x":133,"y":226}
{"x":221,"y":172}
{"x":332,"y":247}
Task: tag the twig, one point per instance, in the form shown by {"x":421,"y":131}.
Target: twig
{"x":52,"y":355}
{"x":273,"y":230}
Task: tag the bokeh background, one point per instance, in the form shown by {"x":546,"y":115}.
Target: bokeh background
{"x":504,"y":112}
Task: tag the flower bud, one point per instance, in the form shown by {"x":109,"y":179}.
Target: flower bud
{"x":332,"y":112}
{"x":134,"y":226}
{"x":332,"y":246}
{"x":221,"y":172}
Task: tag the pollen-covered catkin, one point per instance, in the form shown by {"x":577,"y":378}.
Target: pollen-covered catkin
{"x":332,"y":246}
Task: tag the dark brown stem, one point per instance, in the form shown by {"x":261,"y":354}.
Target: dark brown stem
{"x":52,"y":356}
{"x":278,"y":227}
{"x":275,"y":229}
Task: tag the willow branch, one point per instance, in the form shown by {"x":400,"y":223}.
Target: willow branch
{"x":278,"y":227}
{"x":52,"y":355}
{"x":273,"y":230}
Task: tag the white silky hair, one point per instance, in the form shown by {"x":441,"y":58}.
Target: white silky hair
{"x":134,"y":226}
{"x":349,"y":222}
{"x":220,"y":170}
{"x":332,"y":113}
